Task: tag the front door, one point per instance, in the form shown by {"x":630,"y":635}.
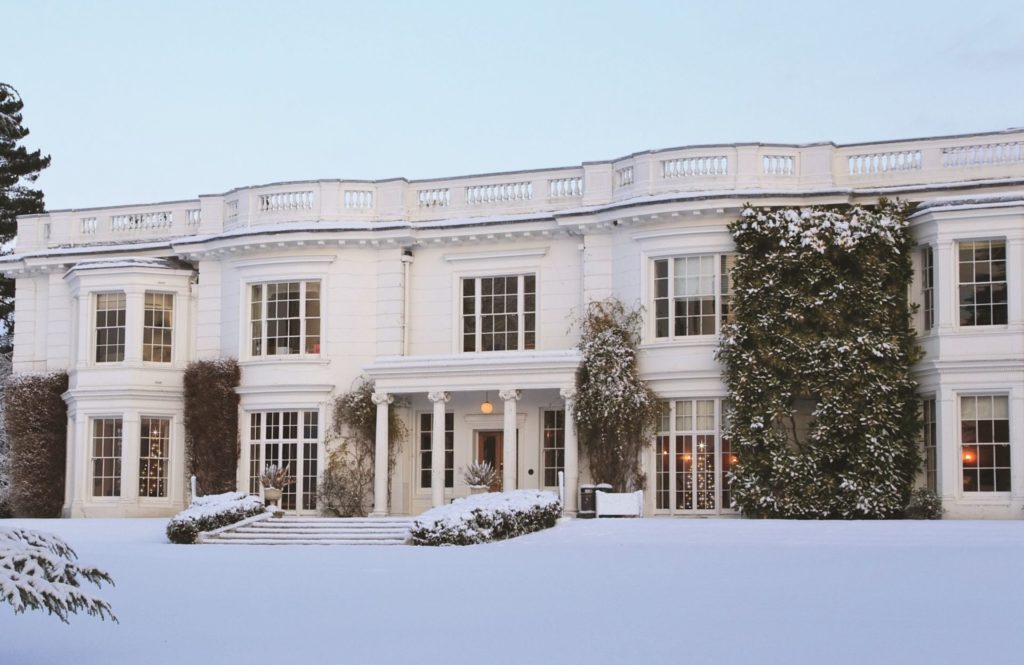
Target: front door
{"x":490,"y":448}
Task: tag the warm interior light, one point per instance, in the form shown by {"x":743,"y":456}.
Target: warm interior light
{"x":968,"y":456}
{"x":486,"y":407}
{"x":733,"y":460}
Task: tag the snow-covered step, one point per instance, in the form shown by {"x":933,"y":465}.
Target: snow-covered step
{"x":292,"y":530}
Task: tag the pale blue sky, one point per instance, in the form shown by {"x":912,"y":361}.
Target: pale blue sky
{"x":147,"y":101}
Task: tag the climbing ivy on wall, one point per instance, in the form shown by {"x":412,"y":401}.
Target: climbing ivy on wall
{"x":211,"y":424}
{"x":615,"y":411}
{"x":817,"y":361}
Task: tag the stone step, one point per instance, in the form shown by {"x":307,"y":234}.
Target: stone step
{"x":400,"y":534}
{"x":301,"y":541}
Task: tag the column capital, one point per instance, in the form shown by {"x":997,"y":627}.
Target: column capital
{"x":568,"y":392}
{"x":382,"y":398}
{"x":439,"y":396}
{"x":510,"y":394}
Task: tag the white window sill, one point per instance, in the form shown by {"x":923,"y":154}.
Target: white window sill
{"x":294,"y":359}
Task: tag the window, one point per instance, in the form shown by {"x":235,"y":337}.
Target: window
{"x":983,"y":283}
{"x":426,"y":437}
{"x":499,"y":313}
{"x":286,"y":438}
{"x":930,"y":434}
{"x":985,"y":443}
{"x":553,"y":438}
{"x":692,"y":459}
{"x":692,"y":295}
{"x":106,"y":457}
{"x":928,"y":287}
{"x":154,"y":445}
{"x":284,"y":318}
{"x":110,"y":320}
{"x":157,"y":327}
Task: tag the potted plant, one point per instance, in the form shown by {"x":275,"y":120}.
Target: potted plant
{"x":479,"y":476}
{"x":274,"y":480}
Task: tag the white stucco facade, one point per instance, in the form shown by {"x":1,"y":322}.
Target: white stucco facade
{"x":451,"y":292}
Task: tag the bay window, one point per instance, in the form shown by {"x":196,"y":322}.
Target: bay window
{"x":106,"y":457}
{"x":110,"y":326}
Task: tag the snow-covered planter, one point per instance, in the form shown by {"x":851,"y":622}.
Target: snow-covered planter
{"x":212,"y":512}
{"x":487,"y":517}
{"x":38,"y":571}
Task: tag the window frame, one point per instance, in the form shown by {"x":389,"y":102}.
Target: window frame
{"x":424,"y":451}
{"x":721,"y":285}
{"x":163,"y":481}
{"x":930,"y":441}
{"x":117,"y":460}
{"x":123,"y":327}
{"x":928,"y":288}
{"x":303,"y":319}
{"x":558,"y":434}
{"x":959,"y":284}
{"x":521,"y":313}
{"x":169,"y":345}
{"x":668,"y":447}
{"x":305,"y":468}
{"x":961,"y":445}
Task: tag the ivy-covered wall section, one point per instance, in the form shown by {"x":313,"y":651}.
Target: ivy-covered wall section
{"x":824,"y":416}
{"x":211,"y":424}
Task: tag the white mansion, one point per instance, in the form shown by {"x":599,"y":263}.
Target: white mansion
{"x":457,"y":296}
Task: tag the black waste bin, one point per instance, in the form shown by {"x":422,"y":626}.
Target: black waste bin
{"x":588,"y":505}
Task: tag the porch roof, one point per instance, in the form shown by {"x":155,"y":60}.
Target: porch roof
{"x":496,"y":370}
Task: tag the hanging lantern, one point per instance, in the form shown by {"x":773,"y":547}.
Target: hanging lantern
{"x":486,"y":407}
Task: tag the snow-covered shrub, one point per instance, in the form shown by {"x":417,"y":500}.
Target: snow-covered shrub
{"x":487,"y":517}
{"x":211,"y":424}
{"x":824,"y":418}
{"x":38,"y":571}
{"x":924,"y":504}
{"x":212,"y":512}
{"x":36,"y":421}
{"x":616,"y":411}
{"x":479,"y":474}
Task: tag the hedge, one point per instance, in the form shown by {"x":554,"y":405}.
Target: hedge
{"x":212,"y":512}
{"x":37,"y":423}
{"x":487,"y":517}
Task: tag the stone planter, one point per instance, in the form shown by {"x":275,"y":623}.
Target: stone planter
{"x":272,"y":494}
{"x":478,"y":489}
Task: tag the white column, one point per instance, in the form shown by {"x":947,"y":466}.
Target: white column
{"x":380,"y":455}
{"x":439,"y":398}
{"x":509,"y":445}
{"x":572,"y":472}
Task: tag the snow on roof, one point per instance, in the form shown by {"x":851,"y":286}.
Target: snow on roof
{"x":131,"y":262}
{"x":1016,"y":197}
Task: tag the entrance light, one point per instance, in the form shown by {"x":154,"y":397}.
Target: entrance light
{"x":486,"y":407}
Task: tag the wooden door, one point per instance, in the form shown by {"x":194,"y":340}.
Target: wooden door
{"x":490,"y":448}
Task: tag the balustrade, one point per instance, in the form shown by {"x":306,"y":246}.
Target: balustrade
{"x":686,"y":167}
{"x":885,"y":162}
{"x":498,"y":193}
{"x":87,"y":226}
{"x":988,"y":154}
{"x":777,"y":165}
{"x":358,"y":199}
{"x":434,"y":198}
{"x":286,"y":201}
{"x":141,"y":220}
{"x":193,"y":217}
{"x":624,"y":176}
{"x":561,"y":188}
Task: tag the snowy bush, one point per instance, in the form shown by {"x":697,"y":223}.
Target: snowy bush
{"x":211,"y":423}
{"x":824,"y":418}
{"x":36,"y":423}
{"x":924,"y":504}
{"x":487,"y":517}
{"x":479,"y":474}
{"x":38,"y":571}
{"x":616,"y":412}
{"x":212,"y":512}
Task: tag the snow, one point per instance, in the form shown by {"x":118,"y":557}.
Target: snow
{"x":463,"y":509}
{"x":597,"y":591}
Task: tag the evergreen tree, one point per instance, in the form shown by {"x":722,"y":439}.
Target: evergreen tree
{"x":19,"y":169}
{"x":817,"y":361}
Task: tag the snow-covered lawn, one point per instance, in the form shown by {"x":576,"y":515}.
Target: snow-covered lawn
{"x":610,"y":591}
